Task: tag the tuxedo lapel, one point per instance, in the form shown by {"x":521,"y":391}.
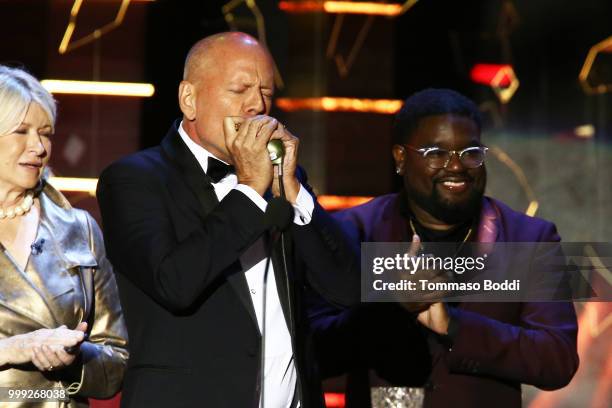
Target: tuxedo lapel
{"x":190,"y":170}
{"x":201,"y":186}
{"x":238,"y":282}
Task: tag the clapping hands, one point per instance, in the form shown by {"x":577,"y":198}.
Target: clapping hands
{"x":47,"y":349}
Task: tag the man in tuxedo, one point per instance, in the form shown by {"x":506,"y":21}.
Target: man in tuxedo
{"x":468,"y":354}
{"x":185,"y":229}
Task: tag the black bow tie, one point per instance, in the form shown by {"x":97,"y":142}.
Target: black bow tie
{"x":217,"y":170}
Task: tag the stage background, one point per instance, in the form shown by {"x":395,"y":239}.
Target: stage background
{"x":550,"y":139}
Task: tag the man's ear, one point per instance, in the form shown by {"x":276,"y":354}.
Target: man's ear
{"x":399,"y":158}
{"x":187,"y":100}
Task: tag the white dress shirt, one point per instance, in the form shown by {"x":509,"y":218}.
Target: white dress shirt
{"x":280,"y":376}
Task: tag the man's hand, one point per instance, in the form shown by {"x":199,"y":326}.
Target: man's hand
{"x":45,"y":348}
{"x":435,"y":318}
{"x":414,"y":307}
{"x":248,"y":148}
{"x":290,"y":181}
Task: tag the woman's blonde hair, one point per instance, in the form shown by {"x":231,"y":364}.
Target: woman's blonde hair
{"x":18,"y":90}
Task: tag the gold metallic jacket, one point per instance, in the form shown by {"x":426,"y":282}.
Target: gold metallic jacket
{"x":66,"y":281}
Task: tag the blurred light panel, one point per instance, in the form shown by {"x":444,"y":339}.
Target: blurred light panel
{"x":75,"y":185}
{"x":484,"y":74}
{"x":331,"y":104}
{"x":342,"y":7}
{"x":334,"y":400}
{"x":585,"y":131}
{"x":333,"y":203}
{"x":57,"y":86}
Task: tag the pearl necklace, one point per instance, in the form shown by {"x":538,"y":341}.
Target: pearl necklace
{"x":20,"y":209}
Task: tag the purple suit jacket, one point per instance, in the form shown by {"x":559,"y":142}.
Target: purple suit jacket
{"x":495,"y":347}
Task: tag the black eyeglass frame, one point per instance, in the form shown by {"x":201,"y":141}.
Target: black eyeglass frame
{"x":424,"y":151}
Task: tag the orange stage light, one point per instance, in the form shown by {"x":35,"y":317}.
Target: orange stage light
{"x":331,"y":104}
{"x":334,"y":203}
{"x":342,"y":7}
{"x":334,"y":400}
{"x":75,"y":185}
{"x":301,"y":6}
{"x":56,"y":86}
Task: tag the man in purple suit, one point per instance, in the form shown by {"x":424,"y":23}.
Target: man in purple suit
{"x":466,"y":354}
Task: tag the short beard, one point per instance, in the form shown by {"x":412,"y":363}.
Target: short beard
{"x":448,"y":212}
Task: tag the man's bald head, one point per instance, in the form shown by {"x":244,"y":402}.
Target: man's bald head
{"x":217,"y":46}
{"x":226,"y":74}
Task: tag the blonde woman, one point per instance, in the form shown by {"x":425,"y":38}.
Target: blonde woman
{"x":62,"y":334}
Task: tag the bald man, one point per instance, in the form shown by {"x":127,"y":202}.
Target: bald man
{"x":184,"y":227}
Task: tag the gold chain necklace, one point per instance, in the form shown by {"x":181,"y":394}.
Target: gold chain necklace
{"x":464,"y":239}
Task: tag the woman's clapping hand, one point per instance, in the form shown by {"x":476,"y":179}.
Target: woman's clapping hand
{"x":45,"y":348}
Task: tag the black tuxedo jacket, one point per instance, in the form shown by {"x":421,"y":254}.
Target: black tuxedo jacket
{"x":194,"y":338}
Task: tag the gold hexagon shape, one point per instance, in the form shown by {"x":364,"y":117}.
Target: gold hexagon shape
{"x":586,"y":73}
{"x":67,"y":46}
{"x":505,"y":93}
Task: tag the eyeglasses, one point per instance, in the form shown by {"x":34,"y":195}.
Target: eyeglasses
{"x":436,"y":158}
